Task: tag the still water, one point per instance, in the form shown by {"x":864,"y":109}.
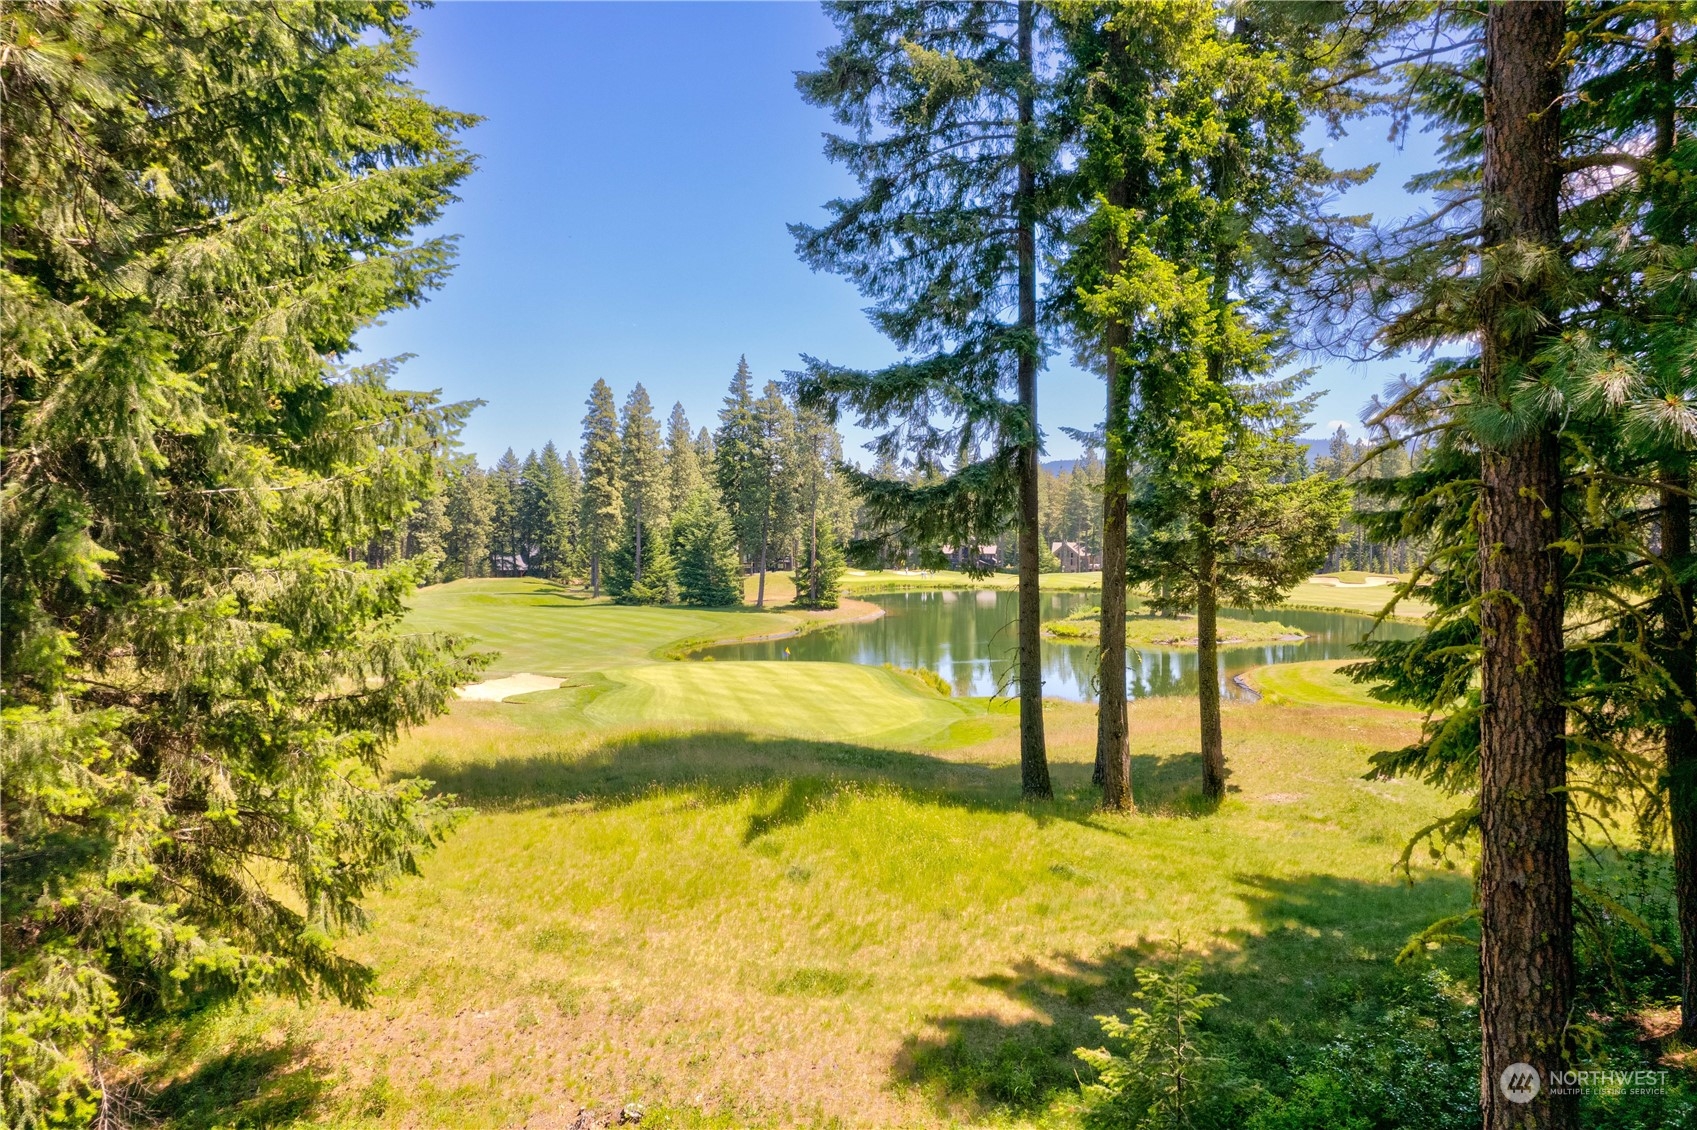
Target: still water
{"x":968,"y":639}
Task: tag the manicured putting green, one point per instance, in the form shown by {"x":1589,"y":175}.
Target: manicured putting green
{"x":838,"y":700}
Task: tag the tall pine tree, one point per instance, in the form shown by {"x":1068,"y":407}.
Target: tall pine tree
{"x":683,"y":465}
{"x":643,"y":484}
{"x":602,"y":512}
{"x":950,"y":143}
{"x":203,"y":205}
{"x":734,"y":462}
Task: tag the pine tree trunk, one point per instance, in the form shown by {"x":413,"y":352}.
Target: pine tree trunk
{"x":813,"y":551}
{"x":1680,"y":739}
{"x":1113,"y":746}
{"x":1208,"y":660}
{"x":765,"y":530}
{"x":636,"y":572}
{"x":1525,"y":887}
{"x":1677,"y":621}
{"x":595,"y":574}
{"x":1033,"y":756}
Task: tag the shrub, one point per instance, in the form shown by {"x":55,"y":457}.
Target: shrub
{"x":1159,"y":1079}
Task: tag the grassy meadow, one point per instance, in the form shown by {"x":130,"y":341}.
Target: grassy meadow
{"x":808,"y":894}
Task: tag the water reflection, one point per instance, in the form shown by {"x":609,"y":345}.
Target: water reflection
{"x":968,"y":639}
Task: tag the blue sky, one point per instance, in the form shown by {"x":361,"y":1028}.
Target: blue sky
{"x":637,"y":166}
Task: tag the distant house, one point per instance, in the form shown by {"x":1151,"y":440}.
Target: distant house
{"x":1075,"y":558}
{"x":972,"y":556}
{"x":508,"y":564}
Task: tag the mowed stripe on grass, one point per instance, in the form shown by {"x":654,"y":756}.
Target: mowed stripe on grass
{"x":522,"y":619}
{"x":836,"y":700}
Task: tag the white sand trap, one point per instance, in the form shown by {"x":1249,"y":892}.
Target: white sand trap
{"x":499,"y":690}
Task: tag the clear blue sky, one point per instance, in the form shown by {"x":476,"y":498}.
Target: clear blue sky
{"x":637,"y":166}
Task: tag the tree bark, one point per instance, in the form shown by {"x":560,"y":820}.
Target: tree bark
{"x":595,"y":574}
{"x":1208,"y":658}
{"x":1525,"y":886}
{"x":1033,"y":756}
{"x":1676,"y":619}
{"x":1674,"y":644}
{"x":636,"y":573}
{"x":813,"y":549}
{"x":1113,"y":746}
{"x":765,"y":538}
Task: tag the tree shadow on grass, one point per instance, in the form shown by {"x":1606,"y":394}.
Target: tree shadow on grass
{"x":1321,"y":949}
{"x":251,"y":1089}
{"x":721,"y":767}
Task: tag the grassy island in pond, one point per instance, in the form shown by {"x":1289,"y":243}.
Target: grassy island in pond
{"x":1084,"y":626}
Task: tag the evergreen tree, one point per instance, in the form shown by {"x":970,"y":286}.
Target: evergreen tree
{"x":642,"y":479}
{"x":204,"y":204}
{"x":506,"y":498}
{"x":819,"y":573}
{"x":658,"y":581}
{"x":683,"y":465}
{"x":554,"y":520}
{"x":705,"y":456}
{"x":951,"y":144}
{"x":705,"y":548}
{"x":602,"y":521}
{"x":769,"y":489}
{"x":741,"y":487}
{"x":427,"y":530}
{"x":529,"y":509}
{"x":470,"y":514}
{"x":572,"y":486}
{"x":1547,"y":222}
{"x":1194,"y":157}
{"x":820,"y":505}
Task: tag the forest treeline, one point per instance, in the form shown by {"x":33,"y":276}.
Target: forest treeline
{"x":649,"y":516}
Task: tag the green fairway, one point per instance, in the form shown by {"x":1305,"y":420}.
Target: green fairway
{"x":1367,"y":599}
{"x":1320,"y":683}
{"x":807,"y":894}
{"x":818,"y":699}
{"x":520,"y":618}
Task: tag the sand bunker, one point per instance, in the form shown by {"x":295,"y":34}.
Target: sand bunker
{"x":499,"y":690}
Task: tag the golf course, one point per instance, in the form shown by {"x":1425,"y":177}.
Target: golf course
{"x":766,"y":893}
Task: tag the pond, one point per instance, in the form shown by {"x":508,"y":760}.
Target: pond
{"x":968,"y":639}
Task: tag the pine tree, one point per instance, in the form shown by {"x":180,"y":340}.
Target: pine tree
{"x":819,"y":574}
{"x":704,"y":453}
{"x":819,"y":562}
{"x":1195,"y":161}
{"x":734,"y":462}
{"x":683,"y":465}
{"x":506,"y":497}
{"x":204,"y":204}
{"x":705,"y":548}
{"x":572,"y":487}
{"x":769,"y":488}
{"x":470,"y":511}
{"x":1489,"y":271}
{"x":553,"y":523}
{"x":425,"y":538}
{"x":657,"y":583}
{"x":602,"y":521}
{"x":642,"y":479}
{"x":951,"y":143}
